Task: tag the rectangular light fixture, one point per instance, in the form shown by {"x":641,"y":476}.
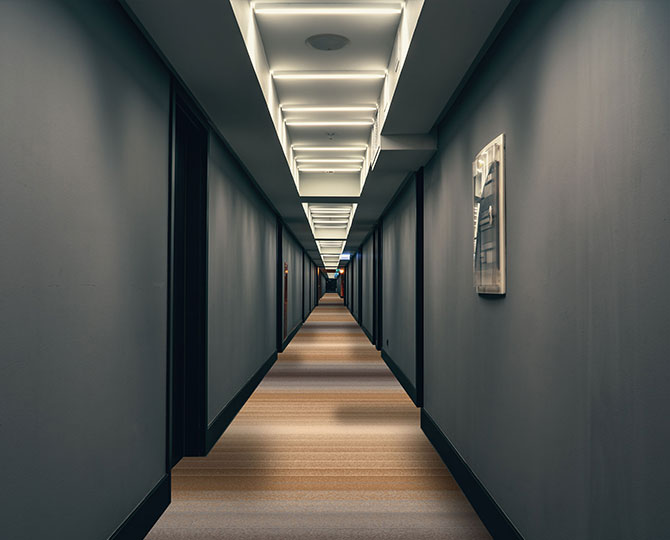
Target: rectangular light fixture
{"x":328,"y":109}
{"x":329,"y":148}
{"x":327,"y":9}
{"x":330,"y":123}
{"x":331,"y":222}
{"x":328,"y":75}
{"x":327,"y":160}
{"x":325,"y":170}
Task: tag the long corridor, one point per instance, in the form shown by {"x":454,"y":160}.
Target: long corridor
{"x":328,"y":446}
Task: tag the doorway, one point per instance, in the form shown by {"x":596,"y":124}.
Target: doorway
{"x":285,"y":323}
{"x":189,"y":282}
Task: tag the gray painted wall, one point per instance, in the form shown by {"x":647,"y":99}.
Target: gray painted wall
{"x":399,"y":282}
{"x":241,"y":280}
{"x":557,"y":395}
{"x":293,"y":256}
{"x":84,"y":109}
{"x":367,"y":252}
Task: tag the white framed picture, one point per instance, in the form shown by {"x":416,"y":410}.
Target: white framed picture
{"x":489,"y":246}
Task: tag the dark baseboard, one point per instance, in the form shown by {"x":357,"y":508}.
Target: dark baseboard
{"x":290,"y":337}
{"x":402,"y":378}
{"x":493,"y":517}
{"x":226,"y":416}
{"x":138,"y":524}
{"x":368,"y":334}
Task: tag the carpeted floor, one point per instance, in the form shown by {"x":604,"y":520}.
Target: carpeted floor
{"x":328,"y":447}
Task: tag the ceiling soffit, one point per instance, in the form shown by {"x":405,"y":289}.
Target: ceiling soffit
{"x":328,"y":105}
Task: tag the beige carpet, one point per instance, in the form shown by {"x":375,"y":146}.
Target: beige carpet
{"x":328,"y":447}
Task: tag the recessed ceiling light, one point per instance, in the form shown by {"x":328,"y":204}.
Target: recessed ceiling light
{"x":330,"y":123}
{"x":325,"y":160}
{"x":328,"y":75}
{"x":327,"y":42}
{"x":322,"y":170}
{"x":369,"y":108}
{"x":331,"y":220}
{"x":327,"y":9}
{"x":329,"y":148}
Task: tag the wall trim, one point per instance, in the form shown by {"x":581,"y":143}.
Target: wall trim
{"x":146,"y":513}
{"x":493,"y":517}
{"x":402,"y":378}
{"x":226,"y":416}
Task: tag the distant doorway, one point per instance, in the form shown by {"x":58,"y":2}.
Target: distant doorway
{"x":285,"y":323}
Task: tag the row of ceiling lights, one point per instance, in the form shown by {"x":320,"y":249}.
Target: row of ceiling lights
{"x":329,"y":216}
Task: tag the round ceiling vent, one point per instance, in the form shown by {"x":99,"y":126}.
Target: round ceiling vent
{"x":327,"y":42}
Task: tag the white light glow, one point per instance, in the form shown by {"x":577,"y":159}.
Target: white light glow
{"x":329,"y":148}
{"x":327,"y":160}
{"x":330,"y":123}
{"x":328,"y":109}
{"x":334,"y":170}
{"x":326,"y":75}
{"x":331,"y":222}
{"x":327,"y":9}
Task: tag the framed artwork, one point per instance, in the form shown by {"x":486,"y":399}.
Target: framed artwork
{"x":489,"y":251}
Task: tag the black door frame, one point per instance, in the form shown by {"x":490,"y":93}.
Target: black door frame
{"x":187,"y":347}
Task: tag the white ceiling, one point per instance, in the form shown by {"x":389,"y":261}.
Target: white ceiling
{"x":326,"y":99}
{"x":371,"y":38}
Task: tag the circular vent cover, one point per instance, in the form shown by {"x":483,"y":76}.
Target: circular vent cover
{"x":327,"y":42}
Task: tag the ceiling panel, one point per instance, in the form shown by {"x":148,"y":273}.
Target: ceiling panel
{"x":370,"y":41}
{"x":328,"y":92}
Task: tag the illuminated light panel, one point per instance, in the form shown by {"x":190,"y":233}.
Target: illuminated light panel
{"x":329,"y":148}
{"x":328,"y":160}
{"x":330,"y":123}
{"x":335,"y":170}
{"x":327,"y":9}
{"x":328,"y":109}
{"x":325,"y":75}
{"x":331,"y":222}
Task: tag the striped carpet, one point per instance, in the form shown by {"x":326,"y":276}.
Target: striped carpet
{"x":328,"y":447}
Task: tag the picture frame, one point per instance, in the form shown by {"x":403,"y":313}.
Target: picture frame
{"x":489,"y":255}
